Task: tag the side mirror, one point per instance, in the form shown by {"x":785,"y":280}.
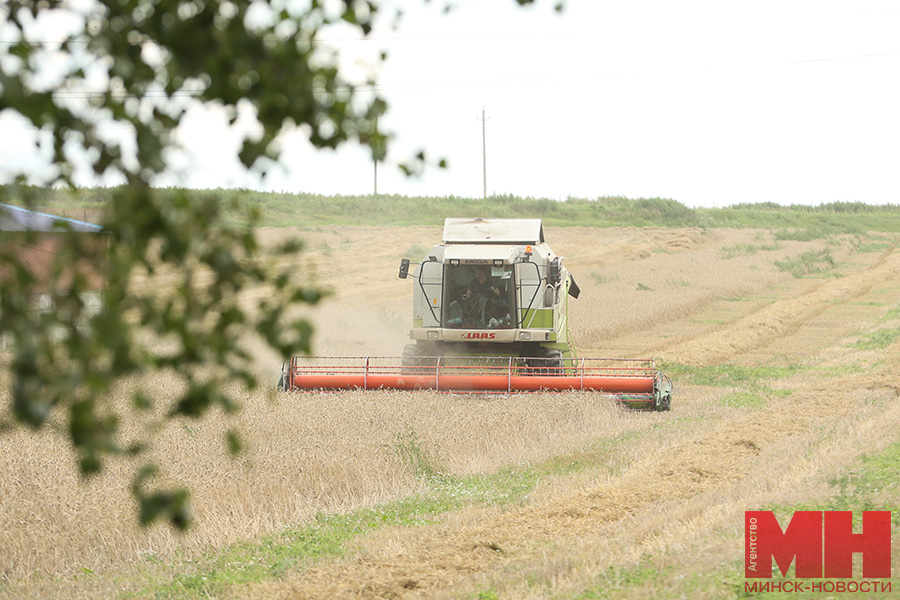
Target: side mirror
{"x":404,"y":269}
{"x":553,"y":272}
{"x":574,"y":290}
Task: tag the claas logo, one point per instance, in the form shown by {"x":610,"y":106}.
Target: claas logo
{"x":821,"y":544}
{"x":474,"y":335}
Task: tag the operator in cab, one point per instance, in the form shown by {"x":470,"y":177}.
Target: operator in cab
{"x":481,"y":285}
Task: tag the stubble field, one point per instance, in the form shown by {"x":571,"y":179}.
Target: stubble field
{"x":784,"y":355}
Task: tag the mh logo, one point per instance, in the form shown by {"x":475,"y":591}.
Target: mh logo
{"x":822,"y":547}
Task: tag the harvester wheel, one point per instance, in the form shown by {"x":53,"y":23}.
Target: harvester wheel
{"x":410,"y":352}
{"x":664,"y":389}
{"x":551,"y":363}
{"x":555,"y":362}
{"x":413,"y":360}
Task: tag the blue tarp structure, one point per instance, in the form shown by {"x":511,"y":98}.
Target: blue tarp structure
{"x":14,"y":218}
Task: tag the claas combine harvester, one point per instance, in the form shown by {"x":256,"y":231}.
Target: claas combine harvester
{"x":490,"y":314}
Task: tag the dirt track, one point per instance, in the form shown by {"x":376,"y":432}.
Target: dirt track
{"x":667,"y":490}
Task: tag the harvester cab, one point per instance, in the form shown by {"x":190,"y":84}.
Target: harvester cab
{"x":495,"y":287}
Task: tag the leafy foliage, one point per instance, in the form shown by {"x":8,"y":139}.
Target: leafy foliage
{"x":174,"y":267}
{"x":172,"y":303}
{"x":137,"y":63}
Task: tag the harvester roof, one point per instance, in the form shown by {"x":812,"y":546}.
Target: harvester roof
{"x":493,"y":231}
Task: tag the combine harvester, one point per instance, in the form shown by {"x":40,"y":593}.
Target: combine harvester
{"x":490,"y":314}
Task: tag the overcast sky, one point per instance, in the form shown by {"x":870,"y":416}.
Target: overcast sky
{"x":707,"y":102}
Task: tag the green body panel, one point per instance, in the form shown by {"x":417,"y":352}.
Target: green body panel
{"x":538,"y":318}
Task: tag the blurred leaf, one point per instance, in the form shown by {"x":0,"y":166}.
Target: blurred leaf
{"x":235,"y":445}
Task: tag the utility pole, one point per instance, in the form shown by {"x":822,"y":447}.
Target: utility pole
{"x":375,"y":159}
{"x":484,"y":150}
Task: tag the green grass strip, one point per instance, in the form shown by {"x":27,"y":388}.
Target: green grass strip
{"x":753,"y":392}
{"x":727,"y":375}
{"x":877,"y":340}
{"x":275,"y":555}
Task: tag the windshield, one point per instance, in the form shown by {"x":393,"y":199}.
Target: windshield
{"x":479,"y":297}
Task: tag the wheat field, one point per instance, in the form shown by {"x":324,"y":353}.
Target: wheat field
{"x":666,"y":489}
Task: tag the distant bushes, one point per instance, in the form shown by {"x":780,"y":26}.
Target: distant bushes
{"x":795,"y":222}
{"x":645,"y":211}
{"x":804,"y":223}
{"x":826,"y":207}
